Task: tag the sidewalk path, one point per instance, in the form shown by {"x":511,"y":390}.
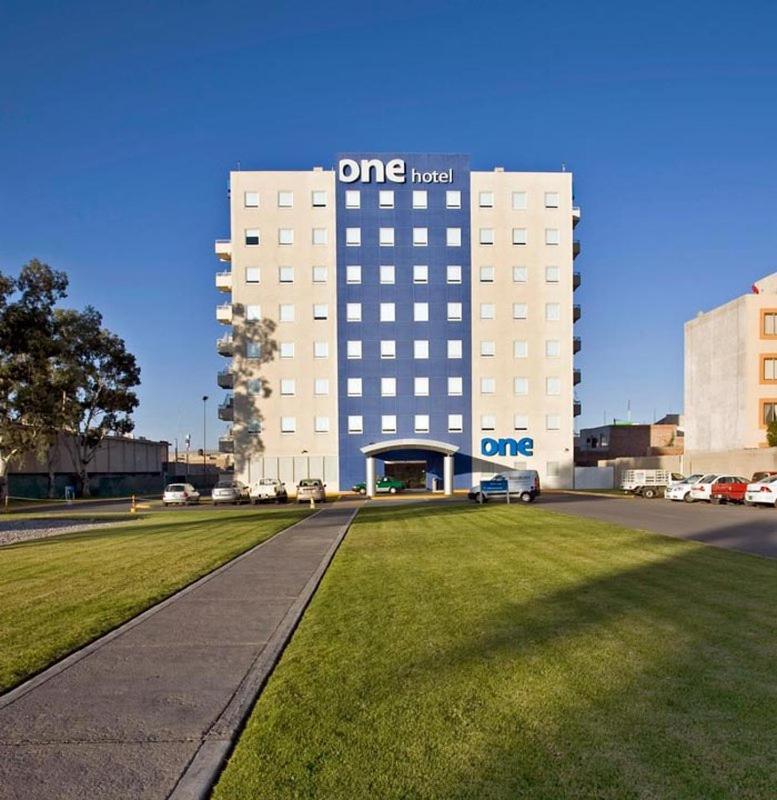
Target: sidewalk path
{"x":150,"y":710}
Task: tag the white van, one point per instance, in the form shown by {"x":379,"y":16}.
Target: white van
{"x":523,"y":484}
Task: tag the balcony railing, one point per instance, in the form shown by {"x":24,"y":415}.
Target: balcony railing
{"x":576,"y":313}
{"x":577,"y":408}
{"x":226,"y":379}
{"x":224,"y":281}
{"x":223,"y":249}
{"x":576,"y":248}
{"x":224,"y":313}
{"x":575,"y":215}
{"x":227,"y":409}
{"x":226,"y":444}
{"x":575,"y":280}
{"x":225,"y":346}
{"x":576,"y":376}
{"x":576,"y":344}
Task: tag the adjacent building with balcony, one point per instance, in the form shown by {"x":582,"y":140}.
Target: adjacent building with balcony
{"x":400,"y":314}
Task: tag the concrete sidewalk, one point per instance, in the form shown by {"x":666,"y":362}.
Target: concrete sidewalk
{"x":150,"y":710}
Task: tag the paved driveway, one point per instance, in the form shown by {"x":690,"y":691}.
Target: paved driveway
{"x":752,"y":530}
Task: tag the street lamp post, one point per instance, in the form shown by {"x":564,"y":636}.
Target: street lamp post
{"x":204,"y":435}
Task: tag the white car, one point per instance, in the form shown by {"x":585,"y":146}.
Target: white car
{"x":180,"y":494}
{"x":270,"y":489}
{"x":702,"y":489}
{"x":229,"y":491}
{"x":763,"y":492}
{"x":681,"y":490}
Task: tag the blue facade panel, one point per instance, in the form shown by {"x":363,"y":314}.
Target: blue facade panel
{"x":437,"y":256}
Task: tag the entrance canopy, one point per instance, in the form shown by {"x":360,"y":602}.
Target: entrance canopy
{"x":371,"y":450}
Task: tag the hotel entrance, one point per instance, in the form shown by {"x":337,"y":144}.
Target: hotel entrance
{"x":412,"y":473}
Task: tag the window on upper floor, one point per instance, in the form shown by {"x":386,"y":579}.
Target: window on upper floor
{"x":420,"y":237}
{"x":455,"y":348}
{"x":288,"y":424}
{"x":487,"y":348}
{"x":320,"y":349}
{"x":421,"y":348}
{"x":453,"y":273}
{"x":421,"y":423}
{"x":487,"y":311}
{"x":553,"y":422}
{"x":353,"y":237}
{"x":520,"y":311}
{"x":420,"y":312}
{"x":520,"y":348}
{"x":421,"y":386}
{"x":386,"y":198}
{"x":387,"y":274}
{"x":520,"y":236}
{"x":520,"y":201}
{"x":353,"y":198}
{"x":420,"y":273}
{"x":285,"y":236}
{"x":486,"y":236}
{"x":552,"y":236}
{"x":251,"y":199}
{"x":253,"y":275}
{"x":455,"y":312}
{"x":455,"y":423}
{"x":420,"y":199}
{"x":320,"y":274}
{"x":321,"y":386}
{"x":552,"y":274}
{"x":487,"y":422}
{"x":486,"y":274}
{"x":388,"y":348}
{"x":285,"y":199}
{"x":253,"y":349}
{"x":320,"y":236}
{"x":286,"y":274}
{"x":769,"y":323}
{"x":288,"y":386}
{"x":320,"y":311}
{"x":486,"y":199}
{"x":388,"y":423}
{"x":353,"y":349}
{"x":455,"y":386}
{"x":318,"y":198}
{"x":286,"y":312}
{"x":552,"y":312}
{"x":453,"y":198}
{"x":354,"y":387}
{"x":769,"y":369}
{"x":286,"y":350}
{"x":353,"y":274}
{"x":487,"y":385}
{"x":386,"y":237}
{"x":521,"y":386}
{"x":388,"y":387}
{"x":355,"y":423}
{"x":552,"y":386}
{"x":552,"y":348}
{"x":253,"y":313}
{"x":520,"y":274}
{"x":252,"y":236}
{"x":551,"y":199}
{"x":353,"y":312}
{"x":453,"y":237}
{"x":321,"y":424}
{"x":388,"y":312}
{"x":520,"y":422}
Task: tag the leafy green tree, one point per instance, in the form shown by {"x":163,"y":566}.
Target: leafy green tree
{"x":771,"y":433}
{"x":98,"y":377}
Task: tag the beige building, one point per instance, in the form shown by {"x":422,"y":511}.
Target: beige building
{"x":731,"y":372}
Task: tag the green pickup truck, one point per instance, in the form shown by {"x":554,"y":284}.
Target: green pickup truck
{"x":383,"y":485}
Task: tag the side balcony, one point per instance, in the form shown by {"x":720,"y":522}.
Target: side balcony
{"x":576,"y":313}
{"x":575,"y":280}
{"x":577,"y":344}
{"x":577,"y":408}
{"x":576,"y":376}
{"x":224,"y":281}
{"x":227,"y":409}
{"x":223,"y":249}
{"x":226,"y":379}
{"x":575,"y":248}
{"x":224,"y":313}
{"x":575,"y":215}
{"x":225,"y":346}
{"x":227,"y":443}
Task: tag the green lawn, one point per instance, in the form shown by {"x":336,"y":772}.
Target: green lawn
{"x":508,"y":652}
{"x":59,"y":593}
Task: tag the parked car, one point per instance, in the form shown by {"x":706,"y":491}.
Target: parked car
{"x":648,"y":482}
{"x":763,"y":492}
{"x":270,"y":489}
{"x":180,"y":494}
{"x":311,"y":488}
{"x":702,"y":489}
{"x":759,"y":476}
{"x":729,"y":489}
{"x":384,"y":485}
{"x":230,"y":491}
{"x":681,"y":490}
{"x":525,"y":484}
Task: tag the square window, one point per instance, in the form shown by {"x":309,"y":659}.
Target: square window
{"x":253,"y":236}
{"x":420,"y":237}
{"x":521,"y":386}
{"x":286,"y":312}
{"x":552,"y":199}
{"x":320,"y":349}
{"x":520,"y":274}
{"x":420,"y":312}
{"x":453,"y":198}
{"x":520,"y":348}
{"x":552,"y":236}
{"x":387,"y":274}
{"x":420,"y":199}
{"x":388,"y":312}
{"x":320,"y":274}
{"x":453,"y":273}
{"x":285,"y":199}
{"x":321,"y":424}
{"x":486,"y":199}
{"x":421,"y":423}
{"x":487,"y":422}
{"x":288,"y":386}
{"x":285,"y":236}
{"x":353,"y":198}
{"x":354,"y":387}
{"x":353,"y":349}
{"x":253,"y":313}
{"x":552,"y":312}
{"x":288,"y":424}
{"x":454,"y":312}
{"x":353,"y":274}
{"x":552,"y":348}
{"x":455,"y":349}
{"x":320,"y":236}
{"x":286,"y":350}
{"x":386,"y":198}
{"x":388,"y":423}
{"x":553,"y":422}
{"x":520,"y":201}
{"x":353,"y":312}
{"x":455,"y":423}
{"x":520,"y":311}
{"x":286,"y":274}
{"x":421,"y":387}
{"x":388,"y":387}
{"x":421,"y":348}
{"x":486,"y":274}
{"x":552,"y":386}
{"x":487,"y":385}
{"x":420,"y":273}
{"x":388,"y":348}
{"x":253,"y":350}
{"x":487,"y":349}
{"x":486,"y":236}
{"x":487,"y":311}
{"x":353,"y":237}
{"x":321,"y":386}
{"x":453,"y":237}
{"x":320,"y":311}
{"x":455,"y":387}
{"x":520,"y":236}
{"x":521,"y":422}
{"x":355,"y":423}
{"x":254,"y":386}
{"x":386,"y":237}
{"x":552,"y":274}
{"x":254,"y":426}
{"x":253,"y":275}
{"x":318,"y":198}
{"x":251,"y":199}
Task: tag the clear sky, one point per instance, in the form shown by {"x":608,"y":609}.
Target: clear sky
{"x":120,"y":122}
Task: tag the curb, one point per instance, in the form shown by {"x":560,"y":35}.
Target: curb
{"x":68,"y":661}
{"x":199,"y":777}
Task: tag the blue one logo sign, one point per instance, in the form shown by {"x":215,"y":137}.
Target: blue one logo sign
{"x":504,"y":447}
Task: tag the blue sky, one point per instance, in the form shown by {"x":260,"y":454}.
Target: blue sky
{"x":119,"y":123}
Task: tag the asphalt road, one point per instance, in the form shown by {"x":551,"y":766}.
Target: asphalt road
{"x":751,"y":530}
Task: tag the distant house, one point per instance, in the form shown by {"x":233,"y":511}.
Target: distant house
{"x":620,"y":439}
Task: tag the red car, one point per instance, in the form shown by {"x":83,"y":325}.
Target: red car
{"x":729,"y":489}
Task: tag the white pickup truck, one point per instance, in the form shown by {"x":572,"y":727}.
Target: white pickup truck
{"x":648,"y":482}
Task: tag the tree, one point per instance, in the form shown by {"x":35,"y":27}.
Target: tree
{"x":31,"y":401}
{"x":98,"y":375}
{"x":771,"y":433}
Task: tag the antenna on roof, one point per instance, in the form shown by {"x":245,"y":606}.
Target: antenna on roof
{"x":563,"y":166}
{"x":238,"y":166}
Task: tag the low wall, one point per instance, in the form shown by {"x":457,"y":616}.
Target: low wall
{"x":594,"y":477}
{"x":36,"y":486}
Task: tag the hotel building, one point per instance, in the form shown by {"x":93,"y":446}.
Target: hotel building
{"x":399,"y":314}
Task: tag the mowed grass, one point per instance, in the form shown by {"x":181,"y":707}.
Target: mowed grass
{"x":59,"y":593}
{"x":509,"y":652}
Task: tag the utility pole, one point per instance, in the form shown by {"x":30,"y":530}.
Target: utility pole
{"x":204,"y":435}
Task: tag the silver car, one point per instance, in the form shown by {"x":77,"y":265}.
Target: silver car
{"x":229,"y":491}
{"x":180,"y":494}
{"x":311,"y":489}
